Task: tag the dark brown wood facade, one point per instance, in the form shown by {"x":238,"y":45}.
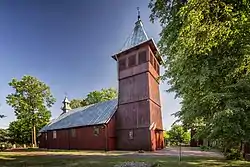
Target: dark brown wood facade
{"x":139,"y":119}
{"x":98,"y":137}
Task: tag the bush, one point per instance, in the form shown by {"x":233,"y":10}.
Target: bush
{"x":233,"y":154}
{"x":204,"y":148}
{"x":4,"y":146}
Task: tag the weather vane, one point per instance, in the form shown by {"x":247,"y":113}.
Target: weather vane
{"x":138,"y":10}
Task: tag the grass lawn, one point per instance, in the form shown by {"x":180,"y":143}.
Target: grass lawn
{"x":92,"y":159}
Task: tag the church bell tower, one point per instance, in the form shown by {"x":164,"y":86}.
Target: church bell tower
{"x":139,"y":117}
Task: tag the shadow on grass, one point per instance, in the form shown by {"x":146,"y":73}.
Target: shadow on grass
{"x":45,"y":150}
{"x":32,"y":160}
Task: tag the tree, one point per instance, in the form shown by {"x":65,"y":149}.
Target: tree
{"x":4,"y":139}
{"x":3,"y":135}
{"x":177,"y":134}
{"x":76,"y":103}
{"x":30,"y":101}
{"x":206,"y":48}
{"x":20,"y":132}
{"x":166,"y":137}
{"x":95,"y":97}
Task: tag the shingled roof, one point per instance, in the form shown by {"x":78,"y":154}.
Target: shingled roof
{"x":94,"y":114}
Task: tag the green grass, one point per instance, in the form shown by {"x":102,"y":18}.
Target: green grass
{"x":92,"y":159}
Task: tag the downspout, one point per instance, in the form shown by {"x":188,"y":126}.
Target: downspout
{"x":69,"y":137}
{"x":118,"y":76}
{"x":47,"y":141}
{"x":106,"y":137}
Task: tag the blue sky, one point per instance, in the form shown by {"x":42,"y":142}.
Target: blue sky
{"x":68,"y":45}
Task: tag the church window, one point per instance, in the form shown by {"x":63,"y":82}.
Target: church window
{"x":131,"y":134}
{"x":122,"y":64}
{"x":73,"y":132}
{"x":54,"y":134}
{"x":132,"y":61}
{"x":96,"y":131}
{"x":142,"y":57}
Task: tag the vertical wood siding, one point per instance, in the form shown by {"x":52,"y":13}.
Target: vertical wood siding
{"x":84,"y":138}
{"x":139,"y":101}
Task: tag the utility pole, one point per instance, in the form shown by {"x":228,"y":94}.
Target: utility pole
{"x":180,"y":152}
{"x":180,"y":141}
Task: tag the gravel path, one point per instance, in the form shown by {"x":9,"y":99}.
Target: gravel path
{"x":185,"y":151}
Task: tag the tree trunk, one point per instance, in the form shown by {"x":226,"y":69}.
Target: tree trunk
{"x":34,"y":132}
{"x":32,"y":138}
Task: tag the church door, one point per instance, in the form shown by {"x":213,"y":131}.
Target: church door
{"x":157,"y":140}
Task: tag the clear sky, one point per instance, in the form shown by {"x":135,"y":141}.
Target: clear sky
{"x":68,"y":45}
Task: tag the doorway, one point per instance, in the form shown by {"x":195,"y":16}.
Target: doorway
{"x":158,"y":140}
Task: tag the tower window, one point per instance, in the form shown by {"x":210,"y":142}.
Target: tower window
{"x":122,"y":64}
{"x":152,"y":59}
{"x":73,"y":132}
{"x":155,"y":64}
{"x":132,"y":61}
{"x":158,"y":69}
{"x":142,"y":57}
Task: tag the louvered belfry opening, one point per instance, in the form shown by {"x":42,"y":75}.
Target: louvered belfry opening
{"x":138,"y":117}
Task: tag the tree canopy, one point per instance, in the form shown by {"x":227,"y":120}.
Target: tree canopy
{"x":3,"y":135}
{"x":206,"y":52}
{"x":95,"y":97}
{"x":177,"y":134}
{"x":30,"y":101}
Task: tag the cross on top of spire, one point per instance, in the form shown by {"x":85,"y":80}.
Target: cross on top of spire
{"x":138,"y":14}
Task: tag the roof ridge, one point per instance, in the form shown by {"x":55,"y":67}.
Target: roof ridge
{"x":92,"y":104}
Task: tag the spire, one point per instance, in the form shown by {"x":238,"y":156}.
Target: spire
{"x":138,"y":34}
{"x":66,"y":105}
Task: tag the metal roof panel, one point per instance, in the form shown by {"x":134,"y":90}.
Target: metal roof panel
{"x":137,"y":36}
{"x":93,"y":114}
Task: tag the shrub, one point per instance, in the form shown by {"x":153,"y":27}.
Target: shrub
{"x":233,"y":154}
{"x":204,"y":148}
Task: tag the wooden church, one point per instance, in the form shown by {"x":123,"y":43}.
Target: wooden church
{"x":131,"y":122}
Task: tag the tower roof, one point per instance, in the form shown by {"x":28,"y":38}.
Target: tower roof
{"x":137,"y":36}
